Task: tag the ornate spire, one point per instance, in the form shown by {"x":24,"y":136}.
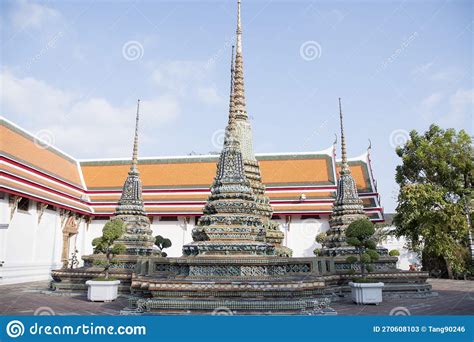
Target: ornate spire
{"x":239,"y":89}
{"x":232,"y":70}
{"x":344,"y":166}
{"x":239,"y":29}
{"x":240,"y":127}
{"x":133,"y":167}
{"x":347,"y":207}
{"x":231,"y":224}
{"x":138,"y":237}
{"x":231,"y":99}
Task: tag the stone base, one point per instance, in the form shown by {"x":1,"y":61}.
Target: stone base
{"x":232,"y":307}
{"x":74,"y":280}
{"x":397,"y":284}
{"x":348,"y":250}
{"x":384,"y":264}
{"x":245,"y":285}
{"x":235,"y":248}
{"x":238,"y":285}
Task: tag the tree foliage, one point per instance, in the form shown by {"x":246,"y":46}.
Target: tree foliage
{"x":435,"y":177}
{"x":162,"y":243}
{"x":106,"y":244}
{"x":360,"y":235}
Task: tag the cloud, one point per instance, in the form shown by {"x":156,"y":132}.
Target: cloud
{"x":189,"y":79}
{"x":461,"y":108}
{"x":448,"y":75}
{"x":208,"y":95}
{"x":430,"y":104}
{"x":26,"y":14}
{"x":422,"y":69}
{"x":449,"y":109}
{"x":81,"y":127}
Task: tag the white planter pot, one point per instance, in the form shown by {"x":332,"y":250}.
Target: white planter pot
{"x":366,"y":293}
{"x":102,"y":291}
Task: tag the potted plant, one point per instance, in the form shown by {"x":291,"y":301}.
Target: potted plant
{"x":162,"y":243}
{"x":105,"y":289}
{"x":359,"y":234}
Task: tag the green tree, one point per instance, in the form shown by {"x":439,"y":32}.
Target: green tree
{"x":360,"y":235}
{"x":106,"y":244}
{"x":434,"y":177}
{"x":162,"y":243}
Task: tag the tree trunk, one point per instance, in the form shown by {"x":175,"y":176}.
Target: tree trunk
{"x":448,"y":268}
{"x":107,"y":266}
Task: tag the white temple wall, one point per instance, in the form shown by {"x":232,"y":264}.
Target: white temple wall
{"x":406,"y":257}
{"x":29,"y":250}
{"x":179,"y":232}
{"x":300,"y":234}
{"x":94,"y":231}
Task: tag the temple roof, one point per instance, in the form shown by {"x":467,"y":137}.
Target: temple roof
{"x":171,"y":185}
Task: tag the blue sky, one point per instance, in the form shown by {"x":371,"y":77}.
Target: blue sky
{"x":70,"y":75}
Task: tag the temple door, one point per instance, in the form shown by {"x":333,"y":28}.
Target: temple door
{"x":69,"y":239}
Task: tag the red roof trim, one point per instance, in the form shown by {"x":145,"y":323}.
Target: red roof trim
{"x":31,"y":169}
{"x":45,"y":201}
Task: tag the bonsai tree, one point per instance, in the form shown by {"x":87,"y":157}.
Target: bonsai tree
{"x":162,"y":243}
{"x":394,"y":253}
{"x":106,"y":244}
{"x":321,"y":239}
{"x":360,"y":235}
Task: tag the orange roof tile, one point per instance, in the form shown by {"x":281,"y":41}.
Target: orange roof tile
{"x":21,"y":146}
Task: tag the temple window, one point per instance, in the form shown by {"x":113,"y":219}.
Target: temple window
{"x":23,"y":204}
{"x":169,"y":218}
{"x":314,"y":217}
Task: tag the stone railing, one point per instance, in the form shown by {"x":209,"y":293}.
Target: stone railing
{"x":234,"y":267}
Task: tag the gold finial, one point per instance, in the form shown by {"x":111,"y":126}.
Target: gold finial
{"x":344,"y":165}
{"x":240,"y":112}
{"x":135,"y":141}
{"x":232,"y":70}
{"x":239,"y":29}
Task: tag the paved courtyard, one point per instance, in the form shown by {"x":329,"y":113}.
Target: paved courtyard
{"x":455,"y":297}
